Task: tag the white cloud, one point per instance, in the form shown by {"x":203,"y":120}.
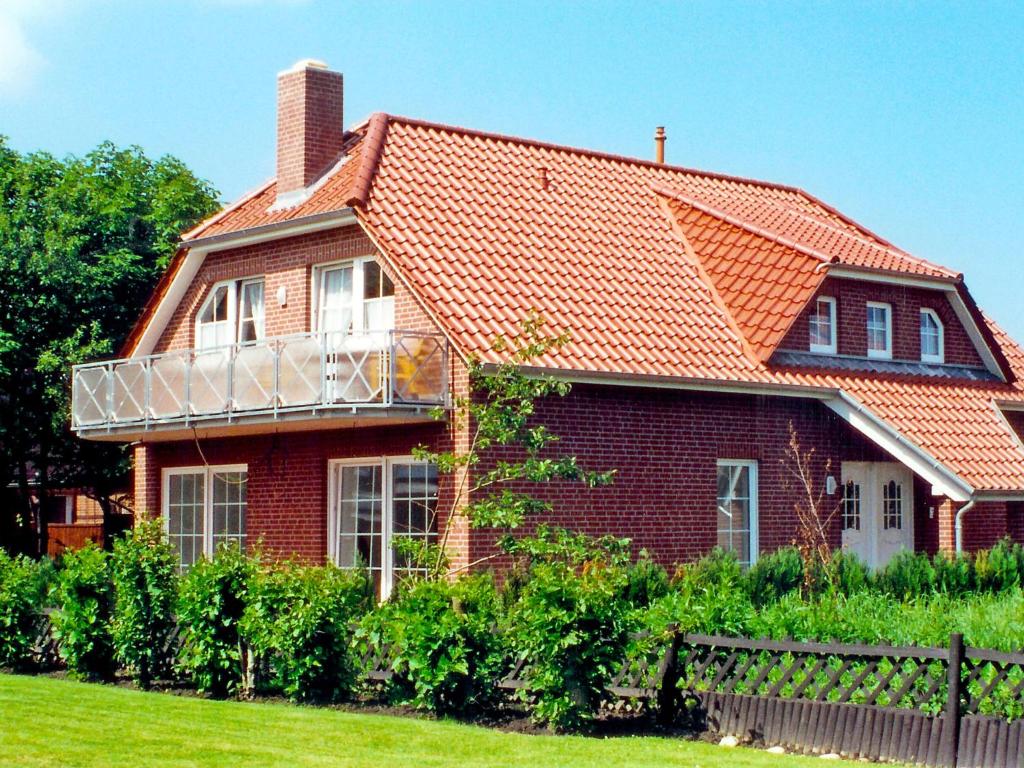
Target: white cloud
{"x":20,"y":60}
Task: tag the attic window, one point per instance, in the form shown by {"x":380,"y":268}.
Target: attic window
{"x":932,"y":341}
{"x":823,"y":326}
{"x":232,"y":313}
{"x":879,"y":328}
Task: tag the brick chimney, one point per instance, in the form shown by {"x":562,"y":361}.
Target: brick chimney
{"x":310,"y":126}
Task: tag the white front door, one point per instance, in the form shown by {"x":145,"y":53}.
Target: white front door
{"x":877,"y":510}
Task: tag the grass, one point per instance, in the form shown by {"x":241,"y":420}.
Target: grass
{"x":51,"y":722}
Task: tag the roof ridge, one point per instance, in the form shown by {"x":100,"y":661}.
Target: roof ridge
{"x":376,"y":133}
{"x":612,"y":156}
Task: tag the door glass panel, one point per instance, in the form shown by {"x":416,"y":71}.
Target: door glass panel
{"x":851,"y":507}
{"x":250,"y":312}
{"x":892,"y":506}
{"x":360,"y":510}
{"x":186,"y":496}
{"x":336,"y":300}
{"x":229,"y":508}
{"x":413,"y":508}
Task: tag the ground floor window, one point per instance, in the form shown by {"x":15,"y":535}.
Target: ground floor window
{"x":372,"y":502}
{"x":737,"y":509}
{"x":204,"y":507}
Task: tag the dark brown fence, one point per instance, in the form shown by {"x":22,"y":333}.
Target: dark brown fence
{"x":74,"y":536}
{"x":950,"y":706}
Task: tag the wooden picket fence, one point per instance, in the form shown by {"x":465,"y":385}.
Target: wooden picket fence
{"x":945,"y":707}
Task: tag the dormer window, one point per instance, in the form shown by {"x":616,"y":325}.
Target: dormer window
{"x":879,"y":328}
{"x":932,"y":337}
{"x":232,"y":313}
{"x":823,"y":326}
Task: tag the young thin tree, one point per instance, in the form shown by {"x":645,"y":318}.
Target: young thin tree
{"x":500,"y":415}
{"x":815,"y":512}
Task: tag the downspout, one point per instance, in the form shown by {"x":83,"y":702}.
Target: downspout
{"x":958,"y":525}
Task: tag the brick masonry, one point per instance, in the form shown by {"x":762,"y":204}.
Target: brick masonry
{"x":851,"y":312}
{"x":663,"y":444}
{"x":310,"y":125}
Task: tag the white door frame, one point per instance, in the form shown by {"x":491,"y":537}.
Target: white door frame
{"x":872,"y":475}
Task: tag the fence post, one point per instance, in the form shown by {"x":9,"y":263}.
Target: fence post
{"x":668,"y":691}
{"x":953,"y":693}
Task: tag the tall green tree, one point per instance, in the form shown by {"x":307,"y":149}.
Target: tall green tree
{"x":82,"y":241}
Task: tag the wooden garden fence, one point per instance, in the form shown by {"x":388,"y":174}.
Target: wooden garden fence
{"x":945,"y":707}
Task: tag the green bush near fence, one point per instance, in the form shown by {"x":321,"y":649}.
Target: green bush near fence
{"x":83,"y":596}
{"x":23,"y":585}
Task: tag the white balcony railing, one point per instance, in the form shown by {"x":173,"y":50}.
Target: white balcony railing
{"x":273,"y":377}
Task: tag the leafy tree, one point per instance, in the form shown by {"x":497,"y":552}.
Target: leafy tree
{"x":499,"y":413}
{"x":82,"y":241}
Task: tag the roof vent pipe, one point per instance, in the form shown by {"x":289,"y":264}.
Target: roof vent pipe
{"x":659,"y":144}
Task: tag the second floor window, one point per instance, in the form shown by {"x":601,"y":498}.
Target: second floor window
{"x":232,"y":313}
{"x":354,"y":296}
{"x":931,"y":337}
{"x":823,"y":326}
{"x":879,"y":329}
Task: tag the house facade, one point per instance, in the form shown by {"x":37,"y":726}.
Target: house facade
{"x":292,"y":356}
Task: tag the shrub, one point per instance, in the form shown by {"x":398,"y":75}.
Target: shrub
{"x":300,"y":618}
{"x":851,"y":574}
{"x":211,"y":604}
{"x":22,"y":593}
{"x":646,"y":581}
{"x":907,"y":574}
{"x":775,"y":574}
{"x":442,"y":638}
{"x":144,"y":571}
{"x":572,"y":626}
{"x":709,"y":596}
{"x":999,"y":568}
{"x":83,"y":595}
{"x":954,"y":574}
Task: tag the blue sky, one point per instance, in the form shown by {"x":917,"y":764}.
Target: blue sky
{"x":907,"y":116}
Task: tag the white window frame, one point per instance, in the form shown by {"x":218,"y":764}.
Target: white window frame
{"x":234,"y":295}
{"x":941,"y":357}
{"x":387,"y":464}
{"x":833,"y":347}
{"x":358,"y":290}
{"x":208,"y":471}
{"x":751,"y":465}
{"x":880,"y":354}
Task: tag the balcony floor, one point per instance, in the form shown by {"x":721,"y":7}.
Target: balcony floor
{"x":241,"y":425}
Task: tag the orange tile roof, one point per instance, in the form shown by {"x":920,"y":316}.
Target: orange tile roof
{"x":655,"y":270}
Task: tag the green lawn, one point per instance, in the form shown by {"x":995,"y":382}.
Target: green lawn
{"x":45,"y":721}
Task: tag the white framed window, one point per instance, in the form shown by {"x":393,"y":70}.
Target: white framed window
{"x":851,"y":506}
{"x":372,"y":502}
{"x":879,"y":328}
{"x":823,"y":330}
{"x":933,"y":343}
{"x":737,"y":509}
{"x":353,"y":296}
{"x":233,"y":312}
{"x":892,"y":506}
{"x":203,"y":508}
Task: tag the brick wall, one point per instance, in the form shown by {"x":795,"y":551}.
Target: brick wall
{"x":665,"y":447}
{"x":289,"y":263}
{"x":851,"y":310}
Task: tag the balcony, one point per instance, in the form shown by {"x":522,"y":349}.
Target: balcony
{"x":288,"y":383}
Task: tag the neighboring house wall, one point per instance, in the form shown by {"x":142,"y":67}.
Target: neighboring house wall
{"x":852,"y":297}
{"x":289,"y":263}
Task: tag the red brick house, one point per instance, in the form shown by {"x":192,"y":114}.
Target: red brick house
{"x":284,"y":370}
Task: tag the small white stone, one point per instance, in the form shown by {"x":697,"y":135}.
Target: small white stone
{"x":830,"y":756}
{"x":776,"y":750}
{"x":729,"y":741}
